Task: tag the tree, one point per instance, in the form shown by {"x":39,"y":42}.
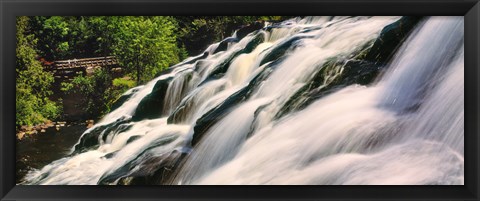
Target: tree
{"x":146,"y":45}
{"x":32,"y":83}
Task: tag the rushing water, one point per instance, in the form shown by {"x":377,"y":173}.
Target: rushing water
{"x":301,"y":102}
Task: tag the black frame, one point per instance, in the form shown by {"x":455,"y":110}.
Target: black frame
{"x":9,"y":9}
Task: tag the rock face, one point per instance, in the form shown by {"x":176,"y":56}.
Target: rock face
{"x":390,"y":38}
{"x":91,"y":139}
{"x":151,"y":106}
{"x":120,"y":101}
{"x":149,"y":167}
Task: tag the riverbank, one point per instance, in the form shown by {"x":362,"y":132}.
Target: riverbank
{"x":27,"y":131}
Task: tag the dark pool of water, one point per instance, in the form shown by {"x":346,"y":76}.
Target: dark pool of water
{"x":36,"y":151}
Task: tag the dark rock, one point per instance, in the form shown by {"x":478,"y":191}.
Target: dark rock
{"x":155,"y":171}
{"x":178,"y":116}
{"x":354,"y":72}
{"x":194,"y":59}
{"x":220,"y":70}
{"x":151,"y":106}
{"x":110,"y":155}
{"x":112,"y":131}
{"x":211,"y":117}
{"x":280,"y":50}
{"x":133,"y":138}
{"x":245,"y":30}
{"x":90,"y":140}
{"x":144,"y":164}
{"x":224,"y":44}
{"x":120,"y":101}
{"x":390,"y":38}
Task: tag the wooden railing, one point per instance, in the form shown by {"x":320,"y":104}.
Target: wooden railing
{"x":66,"y":69}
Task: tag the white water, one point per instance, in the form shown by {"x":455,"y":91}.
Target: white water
{"x":407,"y":128}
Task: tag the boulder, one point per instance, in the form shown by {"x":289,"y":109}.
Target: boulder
{"x":151,"y":106}
{"x":224,"y":44}
{"x":390,"y":38}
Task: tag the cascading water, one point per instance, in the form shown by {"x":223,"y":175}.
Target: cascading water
{"x":318,"y":100}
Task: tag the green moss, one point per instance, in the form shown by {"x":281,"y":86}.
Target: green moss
{"x":123,"y":82}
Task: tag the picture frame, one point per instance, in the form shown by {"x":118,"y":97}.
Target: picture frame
{"x":9,"y":9}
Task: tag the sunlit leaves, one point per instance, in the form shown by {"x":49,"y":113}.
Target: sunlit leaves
{"x":32,"y":83}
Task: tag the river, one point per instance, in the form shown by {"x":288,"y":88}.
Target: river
{"x":37,"y":150}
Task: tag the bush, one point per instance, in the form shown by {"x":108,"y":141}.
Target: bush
{"x":94,"y":90}
{"x":124,"y":83}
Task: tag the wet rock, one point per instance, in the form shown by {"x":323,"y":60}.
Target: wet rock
{"x":224,"y":44}
{"x":352,"y":72}
{"x":20,"y":135}
{"x":144,"y":166}
{"x":193,"y":60}
{"x":390,"y":38}
{"x":120,"y":101}
{"x":151,"y":106}
{"x":220,"y":70}
{"x":280,"y":50}
{"x":133,"y":138}
{"x":90,"y":139}
{"x":245,"y":30}
{"x":159,"y":170}
{"x":89,"y":123}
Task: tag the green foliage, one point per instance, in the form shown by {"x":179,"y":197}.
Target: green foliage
{"x":53,"y":33}
{"x":32,"y":83}
{"x":98,"y":91}
{"x":145,"y":45}
{"x":124,"y":83}
{"x":95,"y":90}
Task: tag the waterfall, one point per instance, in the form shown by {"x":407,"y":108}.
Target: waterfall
{"x":308,"y":101}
